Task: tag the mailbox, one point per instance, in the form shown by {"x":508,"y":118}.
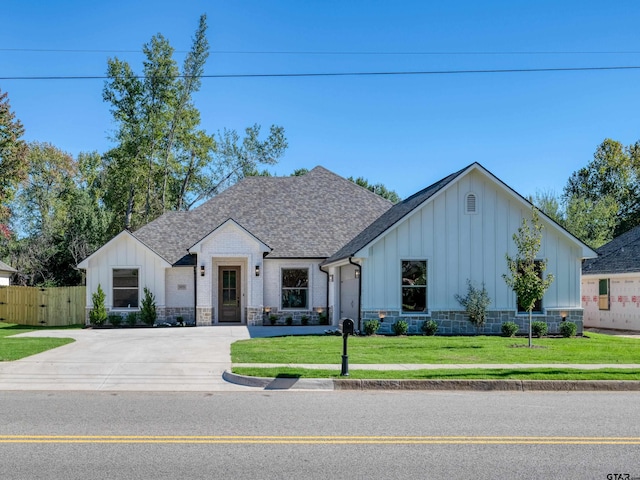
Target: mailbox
{"x":346,"y":326}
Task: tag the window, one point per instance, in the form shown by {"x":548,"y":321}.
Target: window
{"x":414,"y":286}
{"x":603,"y":291}
{"x":471,"y":203}
{"x":295,"y":288}
{"x":125,"y":288}
{"x":537,"y":307}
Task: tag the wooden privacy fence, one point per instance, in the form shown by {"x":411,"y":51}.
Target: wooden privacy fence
{"x":51,"y":307}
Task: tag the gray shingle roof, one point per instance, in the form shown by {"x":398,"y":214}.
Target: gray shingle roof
{"x":309,"y":216}
{"x":620,"y":255}
{"x":6,"y":268}
{"x":391,"y":217}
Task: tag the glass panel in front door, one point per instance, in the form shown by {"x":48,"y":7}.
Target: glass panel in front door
{"x":229,"y":289}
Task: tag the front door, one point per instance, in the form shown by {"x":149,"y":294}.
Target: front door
{"x":229,"y":295}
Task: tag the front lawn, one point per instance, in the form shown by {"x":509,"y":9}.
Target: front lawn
{"x":592,"y":348}
{"x":17,"y":348}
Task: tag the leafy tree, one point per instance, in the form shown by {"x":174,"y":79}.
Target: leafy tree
{"x":613,"y":173}
{"x":592,"y":221}
{"x":378,"y":189}
{"x":525,"y":271}
{"x":13,"y":159}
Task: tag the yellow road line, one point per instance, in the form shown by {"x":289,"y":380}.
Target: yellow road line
{"x":320,"y":440}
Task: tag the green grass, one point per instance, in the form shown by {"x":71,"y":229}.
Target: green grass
{"x":449,"y":374}
{"x":17,"y":348}
{"x":593,"y":348}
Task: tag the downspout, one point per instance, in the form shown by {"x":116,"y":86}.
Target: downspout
{"x":195,"y":293}
{"x":359,"y":292}
{"x":327,"y":300}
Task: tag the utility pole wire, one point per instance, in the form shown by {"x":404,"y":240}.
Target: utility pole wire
{"x":342,"y":74}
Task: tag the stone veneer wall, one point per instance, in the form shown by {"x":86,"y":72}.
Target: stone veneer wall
{"x":457,"y":322}
{"x":314,"y":317}
{"x":163,"y":314}
{"x":204,"y":316}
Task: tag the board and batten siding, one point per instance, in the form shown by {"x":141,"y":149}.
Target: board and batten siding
{"x":125,"y":252}
{"x":460,"y":246}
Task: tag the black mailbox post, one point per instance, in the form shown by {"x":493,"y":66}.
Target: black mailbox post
{"x":347,"y":329}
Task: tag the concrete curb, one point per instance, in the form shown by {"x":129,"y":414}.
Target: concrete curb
{"x":284,"y":383}
{"x":279,"y":383}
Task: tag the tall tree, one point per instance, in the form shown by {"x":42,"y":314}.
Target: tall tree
{"x":13,"y":159}
{"x":526,"y":272}
{"x":614,"y":172}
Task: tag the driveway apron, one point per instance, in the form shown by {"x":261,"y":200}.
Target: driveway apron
{"x":145,"y":359}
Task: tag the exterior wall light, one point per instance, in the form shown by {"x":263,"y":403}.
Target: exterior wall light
{"x":267,"y":310}
{"x":257,"y":270}
{"x":564,"y":316}
{"x":331,"y":277}
{"x":381,"y":316}
{"x":202,"y":270}
{"x":357,"y":273}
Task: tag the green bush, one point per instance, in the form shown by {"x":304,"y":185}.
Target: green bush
{"x":115,"y":319}
{"x":289,"y":320}
{"x":323,"y":319}
{"x":304,"y":320}
{"x":568,"y":329}
{"x":475,"y":303}
{"x":400,"y":327}
{"x":148,"y":310}
{"x":429,"y":327}
{"x":98,"y":314}
{"x":371,"y":327}
{"x":132,"y":318}
{"x":273,"y":319}
{"x":509,"y":329}
{"x":539,"y":329}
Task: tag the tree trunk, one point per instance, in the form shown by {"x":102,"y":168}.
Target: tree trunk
{"x":530,"y":328}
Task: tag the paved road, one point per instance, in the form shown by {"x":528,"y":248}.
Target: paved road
{"x":350,"y":435}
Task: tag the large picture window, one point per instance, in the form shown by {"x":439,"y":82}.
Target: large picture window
{"x":295,"y":288}
{"x":414,"y":286}
{"x":125,"y":288}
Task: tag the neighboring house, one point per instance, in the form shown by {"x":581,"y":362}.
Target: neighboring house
{"x":318,"y":244}
{"x":611,"y":284}
{"x":418,"y":255}
{"x":6,"y":273}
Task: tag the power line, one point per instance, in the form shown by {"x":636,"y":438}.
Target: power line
{"x":320,"y":52}
{"x":342,"y":74}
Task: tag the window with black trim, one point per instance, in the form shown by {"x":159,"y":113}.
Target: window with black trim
{"x":295,"y":288}
{"x":603,"y":294}
{"x":125,"y":288}
{"x":414,"y":286}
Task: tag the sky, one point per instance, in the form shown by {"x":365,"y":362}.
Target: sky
{"x":531,"y":129}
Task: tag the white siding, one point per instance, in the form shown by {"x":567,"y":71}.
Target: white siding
{"x":126,"y":252}
{"x":4,"y":279}
{"x":460,"y":246}
{"x":179,"y":288}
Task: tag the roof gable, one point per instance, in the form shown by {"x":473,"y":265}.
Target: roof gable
{"x":6,"y":268}
{"x":229,"y":223}
{"x":404,"y":209}
{"x":118,"y":238}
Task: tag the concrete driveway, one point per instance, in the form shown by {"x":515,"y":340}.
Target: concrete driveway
{"x":146,"y":359}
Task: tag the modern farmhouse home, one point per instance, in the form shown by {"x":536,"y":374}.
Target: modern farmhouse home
{"x":318,"y":246}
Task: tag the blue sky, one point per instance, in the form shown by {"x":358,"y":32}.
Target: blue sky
{"x":530,"y":129}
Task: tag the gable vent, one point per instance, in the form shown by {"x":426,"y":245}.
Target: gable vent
{"x":471,"y":203}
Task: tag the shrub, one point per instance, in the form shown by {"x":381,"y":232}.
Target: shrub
{"x":289,"y":320}
{"x":323,"y":319}
{"x":115,"y":319}
{"x":148,"y":309}
{"x":475,"y":303}
{"x":509,"y":329}
{"x":132,"y":318}
{"x":400,"y":327}
{"x":273,"y":319}
{"x":429,"y":327}
{"x":98,"y":314}
{"x":371,"y":327}
{"x":568,"y":329}
{"x":304,"y":320}
{"x":539,"y":329}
